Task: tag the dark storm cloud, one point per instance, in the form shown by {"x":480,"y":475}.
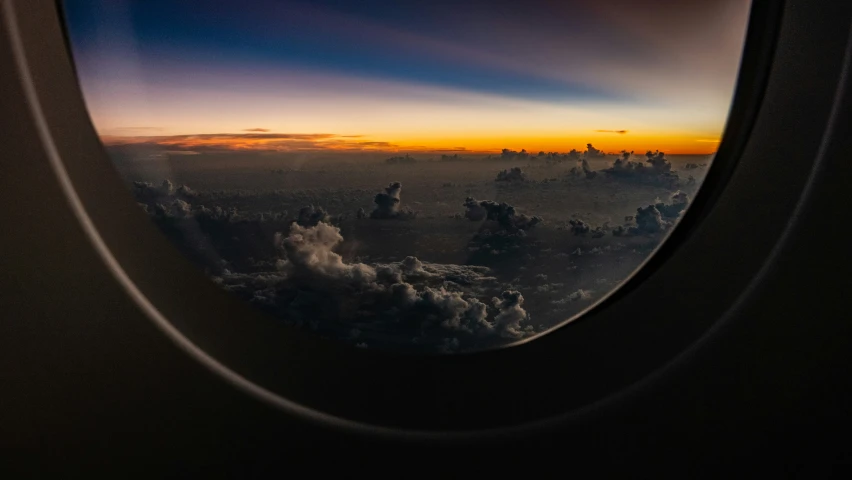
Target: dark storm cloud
{"x":621,"y":132}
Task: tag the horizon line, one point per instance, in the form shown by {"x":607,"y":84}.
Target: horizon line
{"x":271,"y":142}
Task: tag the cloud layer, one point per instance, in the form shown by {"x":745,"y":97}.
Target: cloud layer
{"x":441,"y":306}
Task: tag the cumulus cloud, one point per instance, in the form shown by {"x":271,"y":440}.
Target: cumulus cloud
{"x":508,"y":322}
{"x":592,"y":152}
{"x":590,"y":174}
{"x":657,"y":171}
{"x":166,"y":192}
{"x":388,"y":204}
{"x":184,"y":191}
{"x":310,"y":284}
{"x":313,"y":281}
{"x":473,"y":210}
{"x":658,"y":161}
{"x":680,"y":197}
{"x":454,"y":311}
{"x":503,"y":231}
{"x":310,"y":216}
{"x":582,"y":229}
{"x":654,"y":218}
{"x":575,"y":172}
{"x":650,"y":220}
{"x":401,"y":159}
{"x":572,"y":297}
{"x":167,"y":202}
{"x":514,"y":174}
{"x":679,"y":202}
{"x":548,"y":157}
{"x":507,"y":217}
{"x":579,"y":227}
{"x":647,"y":221}
{"x":623,"y":159}
{"x":148,"y":190}
{"x":178,"y":209}
{"x":310,"y":256}
{"x":507,"y":154}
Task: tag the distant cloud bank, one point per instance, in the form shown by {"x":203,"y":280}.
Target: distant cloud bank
{"x":253,"y":142}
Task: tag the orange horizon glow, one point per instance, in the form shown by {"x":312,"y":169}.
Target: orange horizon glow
{"x":675,"y":144}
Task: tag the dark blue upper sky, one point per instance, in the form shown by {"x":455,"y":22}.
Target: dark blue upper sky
{"x":347,"y":37}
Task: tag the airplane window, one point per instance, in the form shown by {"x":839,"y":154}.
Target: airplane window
{"x":426,"y":176}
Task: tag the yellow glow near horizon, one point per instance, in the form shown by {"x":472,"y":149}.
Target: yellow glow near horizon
{"x":403,"y":116}
{"x":670,"y":144}
{"x":444,"y":120}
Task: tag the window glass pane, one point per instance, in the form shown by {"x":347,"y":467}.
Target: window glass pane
{"x":427,"y":176}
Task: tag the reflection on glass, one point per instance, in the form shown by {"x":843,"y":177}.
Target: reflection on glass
{"x":435,"y":176}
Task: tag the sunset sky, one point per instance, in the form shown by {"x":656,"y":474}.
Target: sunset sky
{"x":403,"y":76}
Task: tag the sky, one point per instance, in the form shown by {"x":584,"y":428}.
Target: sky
{"x":402,"y":76}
